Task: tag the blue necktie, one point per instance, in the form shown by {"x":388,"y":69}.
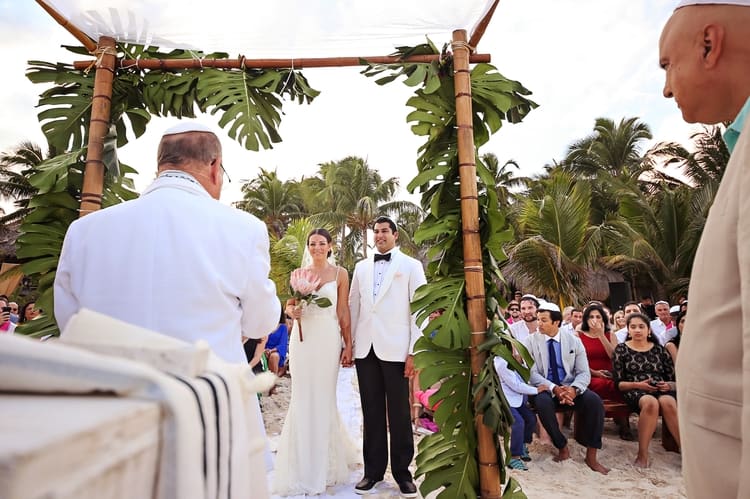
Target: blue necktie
{"x":553,"y":361}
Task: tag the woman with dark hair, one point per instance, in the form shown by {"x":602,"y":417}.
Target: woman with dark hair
{"x":28,"y":312}
{"x":673,"y":345}
{"x":599,"y":343}
{"x":313,"y":425}
{"x":644,"y":372}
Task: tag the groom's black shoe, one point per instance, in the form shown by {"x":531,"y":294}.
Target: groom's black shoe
{"x":365,"y":485}
{"x":408,"y":489}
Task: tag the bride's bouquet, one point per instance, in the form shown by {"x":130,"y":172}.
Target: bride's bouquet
{"x":304,"y":283}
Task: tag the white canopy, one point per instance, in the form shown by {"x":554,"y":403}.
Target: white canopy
{"x":276,"y":28}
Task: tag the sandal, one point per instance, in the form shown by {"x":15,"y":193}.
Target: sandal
{"x":517,"y":464}
{"x":525,"y":454}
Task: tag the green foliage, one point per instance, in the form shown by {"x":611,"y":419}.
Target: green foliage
{"x":248,"y":100}
{"x":448,"y":458}
{"x":54,"y":207}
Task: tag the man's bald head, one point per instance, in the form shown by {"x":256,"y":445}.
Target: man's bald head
{"x":705,"y":51}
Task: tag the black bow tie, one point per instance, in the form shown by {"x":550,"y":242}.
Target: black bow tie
{"x":386,"y":257}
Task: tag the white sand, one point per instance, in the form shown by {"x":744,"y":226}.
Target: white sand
{"x":545,"y":478}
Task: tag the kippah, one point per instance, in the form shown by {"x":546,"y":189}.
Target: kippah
{"x":549,"y":307}
{"x":185,"y":127}
{"x":661,"y":302}
{"x":686,"y":3}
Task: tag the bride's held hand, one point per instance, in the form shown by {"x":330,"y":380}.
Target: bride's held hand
{"x":346,"y":356}
{"x":293,"y":311}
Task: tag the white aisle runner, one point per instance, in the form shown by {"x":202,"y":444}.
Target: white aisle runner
{"x":347,"y":395}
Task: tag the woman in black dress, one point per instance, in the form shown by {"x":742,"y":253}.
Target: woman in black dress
{"x":644,"y":372}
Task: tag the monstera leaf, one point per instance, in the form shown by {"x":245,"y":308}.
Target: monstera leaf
{"x":249,"y":102}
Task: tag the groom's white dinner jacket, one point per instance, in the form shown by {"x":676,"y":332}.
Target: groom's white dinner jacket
{"x":175,"y":261}
{"x":385,"y":323}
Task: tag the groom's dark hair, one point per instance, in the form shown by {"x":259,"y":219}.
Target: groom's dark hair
{"x":383,"y":219}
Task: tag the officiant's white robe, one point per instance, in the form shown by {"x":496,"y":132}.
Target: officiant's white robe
{"x":174,"y":261}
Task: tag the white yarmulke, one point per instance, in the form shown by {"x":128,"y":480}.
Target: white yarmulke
{"x":185,"y":127}
{"x":549,"y":307}
{"x":686,"y":3}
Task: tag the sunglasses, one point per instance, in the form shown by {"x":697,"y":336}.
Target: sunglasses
{"x":514,"y":309}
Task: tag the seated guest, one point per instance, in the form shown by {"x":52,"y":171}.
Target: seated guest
{"x":524,"y":420}
{"x":644,"y":372}
{"x":276,"y":347}
{"x":631,"y":307}
{"x":254,"y":352}
{"x":514,"y":312}
{"x":674,"y":343}
{"x":599,"y":344}
{"x":560,"y":362}
{"x":618,"y":320}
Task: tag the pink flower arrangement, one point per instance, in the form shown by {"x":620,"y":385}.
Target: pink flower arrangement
{"x":304,"y":283}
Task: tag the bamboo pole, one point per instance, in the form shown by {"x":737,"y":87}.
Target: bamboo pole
{"x":242,"y":62}
{"x":93,"y":176}
{"x":72,"y":29}
{"x":478,"y":32}
{"x":489,"y":473}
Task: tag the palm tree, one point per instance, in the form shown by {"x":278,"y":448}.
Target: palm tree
{"x":506,"y":183}
{"x":15,"y":167}
{"x":554,"y":252}
{"x":611,"y":159}
{"x":353,"y":195}
{"x":271,"y":200}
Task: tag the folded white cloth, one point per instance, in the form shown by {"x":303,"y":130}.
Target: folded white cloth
{"x":212,"y":441}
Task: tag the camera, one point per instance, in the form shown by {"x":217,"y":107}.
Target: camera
{"x":6,"y":309}
{"x":653,"y":382}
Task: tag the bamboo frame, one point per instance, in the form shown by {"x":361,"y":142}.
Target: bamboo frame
{"x":242,"y":62}
{"x":478,"y":32}
{"x":93,"y":175}
{"x":93,"y":181}
{"x":489,"y":473}
{"x":70,"y":27}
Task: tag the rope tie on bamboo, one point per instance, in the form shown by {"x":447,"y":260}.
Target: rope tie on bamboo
{"x":460,"y":44}
{"x":100,"y":52}
{"x":196,"y":57}
{"x":478,"y":332}
{"x":242,"y":62}
{"x":288,"y":77}
{"x":133,"y":64}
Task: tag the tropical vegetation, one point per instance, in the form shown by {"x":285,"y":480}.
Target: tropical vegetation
{"x":608,"y":207}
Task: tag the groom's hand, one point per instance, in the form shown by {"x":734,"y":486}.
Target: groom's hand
{"x":409,"y":367}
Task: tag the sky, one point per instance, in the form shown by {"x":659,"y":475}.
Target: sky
{"x":582,"y":59}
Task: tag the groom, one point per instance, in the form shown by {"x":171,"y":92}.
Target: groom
{"x":384,"y":333}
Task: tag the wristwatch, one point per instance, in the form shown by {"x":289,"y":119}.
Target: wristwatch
{"x":578,"y":390}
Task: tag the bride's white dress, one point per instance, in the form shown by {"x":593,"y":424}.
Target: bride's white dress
{"x":314,"y":449}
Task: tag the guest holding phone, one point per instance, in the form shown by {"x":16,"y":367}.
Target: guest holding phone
{"x":6,"y":326}
{"x":644,"y":372}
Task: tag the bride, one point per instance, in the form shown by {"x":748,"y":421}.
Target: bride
{"x":314,"y":449}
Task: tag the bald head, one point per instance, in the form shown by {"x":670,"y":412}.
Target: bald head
{"x":705,"y":51}
{"x":195,"y":152}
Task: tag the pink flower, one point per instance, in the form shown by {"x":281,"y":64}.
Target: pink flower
{"x":303,"y":282}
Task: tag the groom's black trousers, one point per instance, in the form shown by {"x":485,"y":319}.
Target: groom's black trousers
{"x":382,"y":385}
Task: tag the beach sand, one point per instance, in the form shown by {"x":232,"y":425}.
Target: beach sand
{"x":545,"y":478}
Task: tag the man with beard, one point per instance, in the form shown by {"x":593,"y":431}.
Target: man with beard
{"x":521,"y":329}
